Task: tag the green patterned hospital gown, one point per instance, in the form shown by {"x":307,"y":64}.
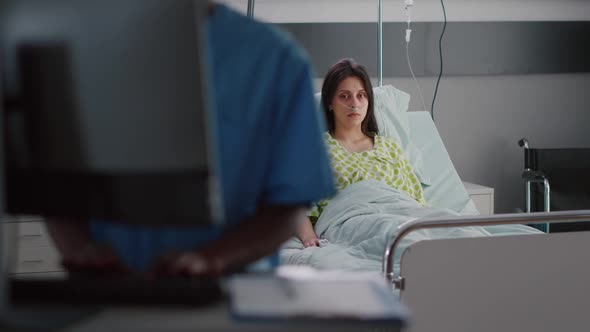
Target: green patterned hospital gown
{"x":385,"y":162}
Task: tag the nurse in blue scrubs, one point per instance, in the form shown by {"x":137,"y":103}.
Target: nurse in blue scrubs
{"x":273,"y":165}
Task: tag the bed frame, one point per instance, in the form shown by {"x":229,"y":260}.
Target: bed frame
{"x":502,"y":283}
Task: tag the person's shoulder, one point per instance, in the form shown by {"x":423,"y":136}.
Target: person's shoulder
{"x":330,"y":142}
{"x":383,"y":138}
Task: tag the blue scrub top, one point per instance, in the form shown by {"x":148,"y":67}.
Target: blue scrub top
{"x":269,"y":136}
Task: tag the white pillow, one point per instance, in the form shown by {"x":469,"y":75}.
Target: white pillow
{"x":391,"y":106}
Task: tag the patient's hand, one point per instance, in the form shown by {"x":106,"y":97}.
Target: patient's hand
{"x":311,"y":242}
{"x":94,"y":259}
{"x":306,"y":234}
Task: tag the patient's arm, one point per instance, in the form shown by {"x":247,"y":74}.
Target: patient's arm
{"x":307,"y":235}
{"x":253,"y":238}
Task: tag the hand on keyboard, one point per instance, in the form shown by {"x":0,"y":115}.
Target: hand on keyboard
{"x":94,"y":260}
{"x":186,"y":264}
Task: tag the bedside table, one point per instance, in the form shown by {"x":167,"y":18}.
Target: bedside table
{"x":482,"y":196}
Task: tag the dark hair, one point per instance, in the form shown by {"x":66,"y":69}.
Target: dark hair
{"x":340,"y":71}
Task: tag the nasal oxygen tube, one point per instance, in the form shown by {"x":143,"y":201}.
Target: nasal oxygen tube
{"x":354,"y":109}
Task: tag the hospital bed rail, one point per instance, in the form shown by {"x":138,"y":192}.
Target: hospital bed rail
{"x":460,"y":221}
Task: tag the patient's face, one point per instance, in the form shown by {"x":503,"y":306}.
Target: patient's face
{"x":350,"y":103}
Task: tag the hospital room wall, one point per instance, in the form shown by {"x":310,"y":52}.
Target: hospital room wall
{"x":502,"y":81}
{"x":297,"y":11}
{"x":513,"y":68}
{"x":481,"y":118}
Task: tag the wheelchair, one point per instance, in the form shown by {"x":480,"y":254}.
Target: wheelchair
{"x":556,"y":180}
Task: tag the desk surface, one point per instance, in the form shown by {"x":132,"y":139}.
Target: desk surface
{"x":179,"y":319}
{"x":216,"y":317}
{"x":211,"y":319}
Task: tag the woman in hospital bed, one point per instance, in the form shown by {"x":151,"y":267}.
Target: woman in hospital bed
{"x":377,"y":189}
{"x":356,"y":150}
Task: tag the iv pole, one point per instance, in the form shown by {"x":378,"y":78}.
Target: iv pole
{"x":250,"y":12}
{"x":380,"y":42}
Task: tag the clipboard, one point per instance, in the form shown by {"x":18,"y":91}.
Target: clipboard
{"x":302,"y":294}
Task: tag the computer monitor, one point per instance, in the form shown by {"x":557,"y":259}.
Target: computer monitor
{"x":105,"y":111}
{"x":104,"y":114}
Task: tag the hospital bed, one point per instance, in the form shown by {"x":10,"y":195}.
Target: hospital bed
{"x":532,"y":282}
{"x":506,"y":283}
{"x":524,"y":280}
{"x":443,"y":190}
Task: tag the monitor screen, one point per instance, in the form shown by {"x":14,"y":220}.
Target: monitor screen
{"x":104,"y":111}
{"x":104,"y":114}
